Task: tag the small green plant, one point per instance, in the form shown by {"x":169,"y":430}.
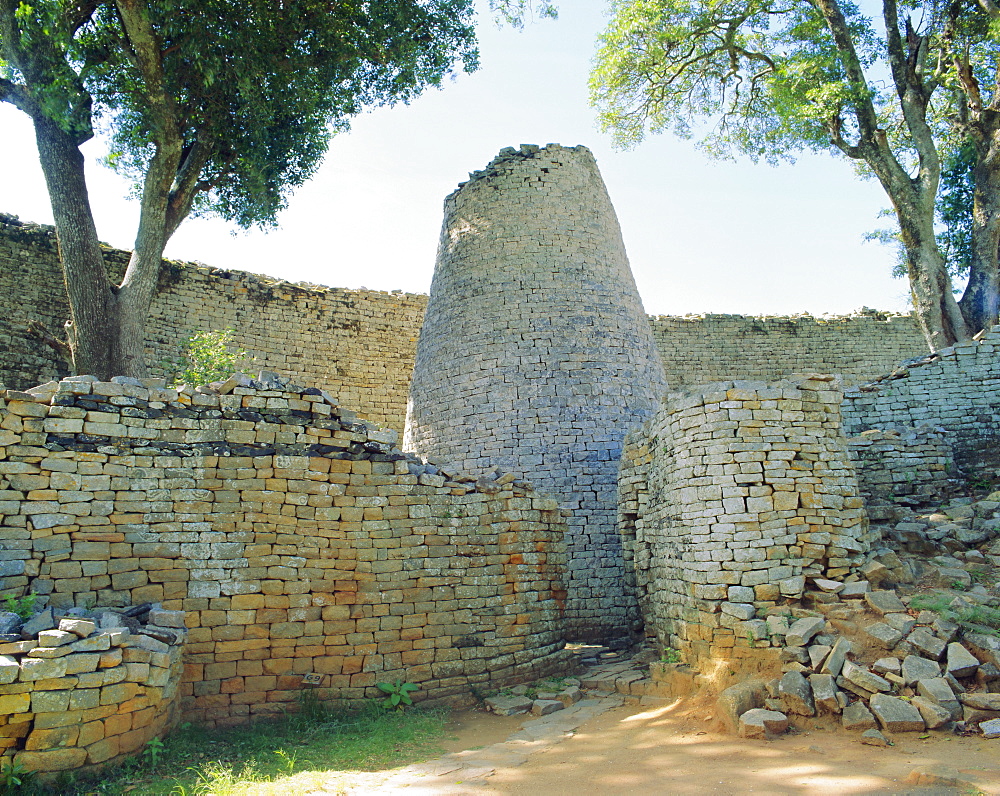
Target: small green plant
{"x":312,"y":710}
{"x":287,"y":760}
{"x":398,"y":694}
{"x":24,"y":606}
{"x":14,"y":778}
{"x":206,"y":357}
{"x":979,"y":484}
{"x":977,"y":618}
{"x":153,"y":750}
{"x":670,"y":655}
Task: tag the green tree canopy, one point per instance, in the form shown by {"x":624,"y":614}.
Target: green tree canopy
{"x":772,"y":78}
{"x":212,"y":106}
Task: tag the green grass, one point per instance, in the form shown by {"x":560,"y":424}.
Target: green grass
{"x":977,"y":618}
{"x":295,"y":754}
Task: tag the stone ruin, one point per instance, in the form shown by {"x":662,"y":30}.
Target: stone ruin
{"x":283,"y":535}
{"x":730,"y":498}
{"x":536,"y":356}
{"x":752,"y":526}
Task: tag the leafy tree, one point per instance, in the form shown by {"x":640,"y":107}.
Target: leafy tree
{"x":776,"y":77}
{"x":514,"y":12}
{"x":206,"y":357}
{"x":213,"y":106}
{"x":955,"y":200}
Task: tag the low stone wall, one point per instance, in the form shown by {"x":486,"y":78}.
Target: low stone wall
{"x":957,"y":389}
{"x":730,"y":497}
{"x":905,"y":465}
{"x":358,"y":344}
{"x":296,"y":539}
{"x":699,"y":349}
{"x":82,"y":695}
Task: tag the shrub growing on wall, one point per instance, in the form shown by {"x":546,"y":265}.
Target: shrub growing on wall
{"x":206,"y":357}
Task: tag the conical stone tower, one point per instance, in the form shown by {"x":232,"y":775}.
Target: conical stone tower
{"x":536,"y":355}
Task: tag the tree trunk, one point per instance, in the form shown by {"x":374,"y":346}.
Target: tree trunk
{"x":134,"y":298}
{"x":92,"y":302}
{"x":980,"y":301}
{"x":930,"y":286}
{"x":139,"y":283}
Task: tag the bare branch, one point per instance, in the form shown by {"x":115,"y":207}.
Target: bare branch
{"x":836,"y":127}
{"x":37,"y":330}
{"x":17,"y":96}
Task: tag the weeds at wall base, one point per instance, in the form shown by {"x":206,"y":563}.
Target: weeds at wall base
{"x":296,"y":752}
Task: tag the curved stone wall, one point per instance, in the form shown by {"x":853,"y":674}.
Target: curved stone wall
{"x":296,"y":539}
{"x":731,"y":497}
{"x":536,"y":355}
{"x":89,"y":691}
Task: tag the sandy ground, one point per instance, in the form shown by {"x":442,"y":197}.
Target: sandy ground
{"x":669,"y":749}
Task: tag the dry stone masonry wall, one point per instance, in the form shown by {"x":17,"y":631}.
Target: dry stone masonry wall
{"x":956,"y":389}
{"x":700,"y":349}
{"x":910,"y":466}
{"x":295,"y":538}
{"x":730,"y":496}
{"x":536,"y":356}
{"x":358,"y":344}
{"x":78,"y":692}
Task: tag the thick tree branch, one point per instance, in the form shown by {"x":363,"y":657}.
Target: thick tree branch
{"x":836,"y":127}
{"x":188,"y":182}
{"x":18,"y":97}
{"x":37,"y":330}
{"x":146,"y":51}
{"x":844,"y":41}
{"x":44,"y":65}
{"x":990,"y":8}
{"x":80,"y":14}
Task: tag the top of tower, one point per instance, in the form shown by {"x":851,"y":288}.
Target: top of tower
{"x":509,"y":155}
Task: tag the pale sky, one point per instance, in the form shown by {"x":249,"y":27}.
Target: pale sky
{"x":702,"y":235}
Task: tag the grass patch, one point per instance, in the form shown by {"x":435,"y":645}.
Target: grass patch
{"x":977,"y":618}
{"x":293,"y":754}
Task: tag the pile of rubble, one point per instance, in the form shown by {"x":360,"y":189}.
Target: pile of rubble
{"x":915,"y":646}
{"x":899,"y":673}
{"x":541,"y":699}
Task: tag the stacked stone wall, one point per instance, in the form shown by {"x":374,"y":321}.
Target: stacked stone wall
{"x":700,"y":349}
{"x":730,"y":498}
{"x":912,"y":466}
{"x":296,"y":539}
{"x":361,"y":344}
{"x":82,"y":695}
{"x":536,"y":356}
{"x":358,"y":344}
{"x":956,"y":389}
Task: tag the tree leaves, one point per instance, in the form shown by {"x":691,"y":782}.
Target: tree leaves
{"x":756,"y":77}
{"x":259,"y":85}
{"x":771,"y":78}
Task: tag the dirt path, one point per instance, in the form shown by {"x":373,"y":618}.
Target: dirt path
{"x":603,"y":746}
